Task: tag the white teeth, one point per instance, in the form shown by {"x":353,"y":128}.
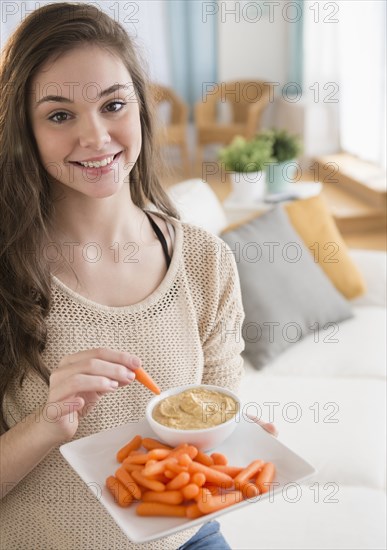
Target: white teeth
{"x":98,"y":164}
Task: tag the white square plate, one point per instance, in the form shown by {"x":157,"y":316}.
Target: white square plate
{"x":93,"y":458}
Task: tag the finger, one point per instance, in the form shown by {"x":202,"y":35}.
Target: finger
{"x":82,"y":383}
{"x":79,"y":403}
{"x":53,"y":411}
{"x":105,"y":354}
{"x":96,"y":367}
{"x":268,"y":426}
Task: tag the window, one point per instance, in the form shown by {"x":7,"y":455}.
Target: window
{"x":344,"y":60}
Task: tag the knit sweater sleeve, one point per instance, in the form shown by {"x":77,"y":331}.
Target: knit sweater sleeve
{"x":223,"y":342}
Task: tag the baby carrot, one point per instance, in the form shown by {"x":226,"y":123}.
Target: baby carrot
{"x":154,"y":469}
{"x":129,"y":483}
{"x":184,"y":455}
{"x":151,"y":484}
{"x":198,"y":478}
{"x":159,"y":477}
{"x":213,"y":504}
{"x":160,"y":466}
{"x":204,"y":459}
{"x":190,"y":491}
{"x":185,"y":459}
{"x":143,"y":377}
{"x":120,"y":493}
{"x":214,"y":489}
{"x":192,"y":451}
{"x":265,"y":477}
{"x":204,"y":493}
{"x":160,"y":509}
{"x":219,"y":459}
{"x":133,"y":445}
{"x":129,"y":466}
{"x":158,"y":454}
{"x":213,"y":476}
{"x":177,"y":468}
{"x":179,"y":481}
{"x":167,"y":497}
{"x":150,"y":462}
{"x":229,"y":470}
{"x":250,"y":471}
{"x":139,"y":458}
{"x":249,"y":489}
{"x":192,"y":511}
{"x":149,"y":444}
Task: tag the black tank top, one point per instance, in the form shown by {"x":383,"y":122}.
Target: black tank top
{"x":161,"y":238}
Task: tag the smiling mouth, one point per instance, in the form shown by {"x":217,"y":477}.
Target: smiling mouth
{"x":108,"y":161}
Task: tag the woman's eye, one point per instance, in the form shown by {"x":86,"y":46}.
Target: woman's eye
{"x":112,"y":107}
{"x":57,"y":117}
{"x":121,"y":104}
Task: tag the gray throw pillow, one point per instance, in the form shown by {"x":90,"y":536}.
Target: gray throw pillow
{"x":285,"y":294}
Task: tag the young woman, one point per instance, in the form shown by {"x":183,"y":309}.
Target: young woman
{"x":91,"y":283}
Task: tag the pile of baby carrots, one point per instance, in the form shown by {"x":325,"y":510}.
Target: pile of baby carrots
{"x":183,"y":481}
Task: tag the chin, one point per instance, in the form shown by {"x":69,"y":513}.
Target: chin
{"x":104,"y":192}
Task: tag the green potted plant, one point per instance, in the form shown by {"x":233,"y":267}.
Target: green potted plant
{"x":285,"y":148}
{"x":246,"y":161}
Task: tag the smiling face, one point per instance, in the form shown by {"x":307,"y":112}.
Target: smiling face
{"x":83,"y":109}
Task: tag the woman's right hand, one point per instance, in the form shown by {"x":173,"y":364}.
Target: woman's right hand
{"x":79,"y":382}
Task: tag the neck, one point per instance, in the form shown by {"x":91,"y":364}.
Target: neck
{"x":104,"y":221}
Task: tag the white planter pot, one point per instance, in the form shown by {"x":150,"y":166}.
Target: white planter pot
{"x":248,"y":186}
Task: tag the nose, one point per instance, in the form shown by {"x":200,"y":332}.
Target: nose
{"x":93,"y":133}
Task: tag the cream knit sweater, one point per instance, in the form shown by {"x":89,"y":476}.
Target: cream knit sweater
{"x":187,"y":331}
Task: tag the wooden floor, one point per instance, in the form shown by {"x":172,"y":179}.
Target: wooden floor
{"x":361,"y":225}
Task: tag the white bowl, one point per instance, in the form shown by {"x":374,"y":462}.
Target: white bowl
{"x":204,"y":438}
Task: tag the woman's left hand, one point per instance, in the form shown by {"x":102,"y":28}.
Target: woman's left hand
{"x":268,"y":426}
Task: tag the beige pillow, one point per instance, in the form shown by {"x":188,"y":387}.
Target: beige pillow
{"x":317,"y":228}
{"x":285,"y":294}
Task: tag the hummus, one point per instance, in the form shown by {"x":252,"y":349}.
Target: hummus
{"x":195,"y":409}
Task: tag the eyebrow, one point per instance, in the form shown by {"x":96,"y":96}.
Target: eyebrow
{"x":62,"y":99}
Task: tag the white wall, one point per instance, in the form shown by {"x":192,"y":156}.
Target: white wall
{"x":144,"y":20}
{"x":248,"y":49}
{"x":253,"y":44}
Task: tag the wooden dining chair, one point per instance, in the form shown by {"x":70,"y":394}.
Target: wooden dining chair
{"x":247,"y":100}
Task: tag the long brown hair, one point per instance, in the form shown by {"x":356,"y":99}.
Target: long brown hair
{"x":25,"y":196}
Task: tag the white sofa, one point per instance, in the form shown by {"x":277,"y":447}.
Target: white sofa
{"x":344,"y":505}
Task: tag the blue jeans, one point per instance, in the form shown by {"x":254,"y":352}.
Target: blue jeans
{"x":207,"y":538}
